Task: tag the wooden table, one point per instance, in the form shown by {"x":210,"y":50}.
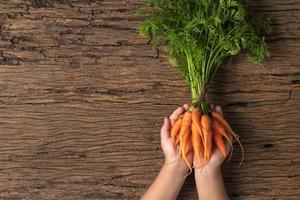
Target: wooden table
{"x":82,"y":99}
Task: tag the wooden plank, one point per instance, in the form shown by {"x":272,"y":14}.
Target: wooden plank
{"x":82,"y":98}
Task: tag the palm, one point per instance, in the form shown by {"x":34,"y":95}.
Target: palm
{"x":216,"y":159}
{"x":172,"y":154}
{"x":168,"y":149}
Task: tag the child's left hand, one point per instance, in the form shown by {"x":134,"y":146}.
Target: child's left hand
{"x":171,"y":154}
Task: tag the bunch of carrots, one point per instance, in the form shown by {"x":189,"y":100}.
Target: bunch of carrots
{"x":198,"y":36}
{"x":200,"y":133}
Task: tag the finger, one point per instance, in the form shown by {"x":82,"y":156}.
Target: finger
{"x":174,"y":116}
{"x":165,"y":130}
{"x":211,"y":106}
{"x":219,"y":109}
{"x":185,"y":106}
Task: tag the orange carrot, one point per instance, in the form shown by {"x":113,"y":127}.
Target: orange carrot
{"x":196,"y":119}
{"x":189,"y":146}
{"x":207,"y":136}
{"x":217,"y":126}
{"x":218,"y":140}
{"x":185,"y":125}
{"x":197,"y":143}
{"x":184,"y":143}
{"x":176,"y":142}
{"x":221,"y":119}
{"x":176,"y":129}
{"x":185,"y":130}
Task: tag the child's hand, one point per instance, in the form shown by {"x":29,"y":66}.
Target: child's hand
{"x":171,"y":154}
{"x":209,"y":180}
{"x":216,"y":158}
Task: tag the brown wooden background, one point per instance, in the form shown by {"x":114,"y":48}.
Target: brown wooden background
{"x":82,"y":99}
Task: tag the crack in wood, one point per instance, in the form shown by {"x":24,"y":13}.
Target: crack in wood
{"x":80,"y":116}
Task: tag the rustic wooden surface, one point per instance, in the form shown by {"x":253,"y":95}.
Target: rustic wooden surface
{"x":82,"y":99}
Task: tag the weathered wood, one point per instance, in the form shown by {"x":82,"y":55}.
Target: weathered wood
{"x":82,"y":99}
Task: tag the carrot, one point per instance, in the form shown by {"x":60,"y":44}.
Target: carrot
{"x":176,"y":129}
{"x":185,"y":125}
{"x":176,"y":141}
{"x":197,"y":143}
{"x":221,"y":119}
{"x":218,"y":140}
{"x":207,"y":136}
{"x":217,"y":126}
{"x":185,"y":130}
{"x":196,"y":119}
{"x":184,"y":143}
{"x":189,"y":146}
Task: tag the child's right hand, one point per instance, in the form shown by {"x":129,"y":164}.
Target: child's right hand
{"x":216,"y":158}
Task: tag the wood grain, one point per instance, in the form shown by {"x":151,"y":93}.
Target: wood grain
{"x":82,"y":99}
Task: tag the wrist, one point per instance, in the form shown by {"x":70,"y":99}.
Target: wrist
{"x":177,"y":167}
{"x":208,"y":171}
{"x":209,"y":183}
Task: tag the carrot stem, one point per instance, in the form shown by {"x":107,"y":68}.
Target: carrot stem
{"x":205,"y":108}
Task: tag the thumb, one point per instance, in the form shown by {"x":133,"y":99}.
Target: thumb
{"x":219,"y":109}
{"x":165,"y":129}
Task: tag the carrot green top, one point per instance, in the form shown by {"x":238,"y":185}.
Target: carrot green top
{"x":199,"y":35}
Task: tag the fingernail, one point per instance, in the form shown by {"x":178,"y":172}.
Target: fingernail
{"x":218,"y":109}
